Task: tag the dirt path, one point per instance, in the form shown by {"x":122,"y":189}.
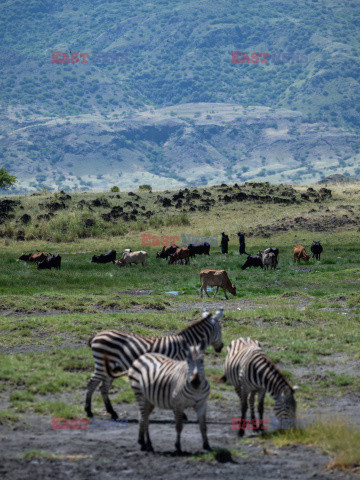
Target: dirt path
{"x":112,"y":452}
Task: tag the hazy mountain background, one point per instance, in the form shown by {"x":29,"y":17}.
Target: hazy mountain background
{"x":160,"y":102}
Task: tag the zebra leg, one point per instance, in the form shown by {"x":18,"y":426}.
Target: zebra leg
{"x":201,"y":414}
{"x":104,"y":389}
{"x":261,"y":398}
{"x":91,"y":387}
{"x":254,"y":424}
{"x":144,"y":438}
{"x":179,"y":415}
{"x":244,"y":406}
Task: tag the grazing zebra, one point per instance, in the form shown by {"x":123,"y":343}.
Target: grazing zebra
{"x":251,"y":372}
{"x":169,"y":384}
{"x":122,"y":348}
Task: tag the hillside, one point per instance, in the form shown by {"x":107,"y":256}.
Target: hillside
{"x":159,"y":100}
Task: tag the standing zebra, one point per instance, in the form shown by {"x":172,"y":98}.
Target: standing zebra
{"x":123,"y":348}
{"x":169,"y":384}
{"x":251,"y":372}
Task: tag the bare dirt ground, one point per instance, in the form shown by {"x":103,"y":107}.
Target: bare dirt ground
{"x":113,"y":452}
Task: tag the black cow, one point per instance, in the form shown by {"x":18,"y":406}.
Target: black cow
{"x":199,"y":249}
{"x":167,"y":251}
{"x":316,"y":249}
{"x":275,"y":251}
{"x":53,"y":261}
{"x":107,"y":257}
{"x":253,"y":261}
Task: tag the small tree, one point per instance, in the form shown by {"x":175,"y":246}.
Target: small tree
{"x":147,"y":188}
{"x":6,"y":180}
{"x":114,"y":189}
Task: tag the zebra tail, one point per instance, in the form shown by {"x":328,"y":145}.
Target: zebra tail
{"x":111,"y":372}
{"x":222,"y":379}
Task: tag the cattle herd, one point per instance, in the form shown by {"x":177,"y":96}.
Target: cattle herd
{"x":264,"y":259}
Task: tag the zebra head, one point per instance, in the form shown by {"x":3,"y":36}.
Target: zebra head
{"x":195,"y":361}
{"x":215,"y":335}
{"x":285,"y":404}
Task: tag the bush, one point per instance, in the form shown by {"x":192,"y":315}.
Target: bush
{"x":145,"y":188}
{"x":114,"y":189}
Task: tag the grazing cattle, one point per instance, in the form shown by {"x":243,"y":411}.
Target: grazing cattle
{"x":34,"y":257}
{"x":167,"y":251}
{"x":199,"y":249}
{"x":275,"y":251}
{"x":253,"y":261}
{"x":316,"y":249}
{"x":53,"y":261}
{"x":132,"y":257}
{"x":300,"y":253}
{"x":268,"y":260}
{"x":107,"y":257}
{"x":216,"y":278}
{"x":181,"y":254}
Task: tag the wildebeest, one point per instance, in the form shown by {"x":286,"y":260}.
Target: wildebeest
{"x":107,"y":257}
{"x":253,"y":261}
{"x":53,"y":261}
{"x":181,"y":253}
{"x":275,"y":251}
{"x":268,"y":260}
{"x":316,"y":249}
{"x":300,"y":253}
{"x":216,"y":278}
{"x":34,"y":257}
{"x":199,"y":249}
{"x":133,"y":257}
{"x":167,"y":251}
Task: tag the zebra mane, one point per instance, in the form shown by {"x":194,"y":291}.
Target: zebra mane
{"x":196,"y":322}
{"x":276,"y":368}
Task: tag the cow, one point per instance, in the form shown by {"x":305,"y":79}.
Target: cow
{"x":300,"y":253}
{"x":133,"y":257}
{"x":167,"y":251}
{"x":316,"y":249}
{"x":268,"y":260}
{"x":253,"y":261}
{"x":216,"y":278}
{"x":53,"y":261}
{"x":199,"y":249}
{"x":275,"y":251}
{"x":107,"y":257}
{"x":181,"y":254}
{"x":34,"y":257}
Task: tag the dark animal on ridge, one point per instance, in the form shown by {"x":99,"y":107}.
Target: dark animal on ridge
{"x":104,"y":257}
{"x":316,"y":249}
{"x":54,"y":261}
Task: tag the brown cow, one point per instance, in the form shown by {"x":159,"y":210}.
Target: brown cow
{"x":300,"y":253}
{"x":180,"y":254}
{"x":34,"y":257}
{"x":216,"y":278}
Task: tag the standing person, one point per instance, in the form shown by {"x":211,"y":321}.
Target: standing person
{"x":224,"y":243}
{"x":242,"y":243}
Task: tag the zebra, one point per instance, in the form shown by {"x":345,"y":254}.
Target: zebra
{"x":251,"y":372}
{"x":122,"y":348}
{"x":169,"y":384}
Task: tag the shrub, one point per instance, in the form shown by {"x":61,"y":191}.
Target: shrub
{"x":145,"y":188}
{"x":114,"y":189}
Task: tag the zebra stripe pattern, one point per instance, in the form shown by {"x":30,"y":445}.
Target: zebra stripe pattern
{"x":251,"y":372}
{"x":122,"y":348}
{"x":169,"y":384}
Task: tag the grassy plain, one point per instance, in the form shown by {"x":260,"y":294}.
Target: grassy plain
{"x":305,"y":316}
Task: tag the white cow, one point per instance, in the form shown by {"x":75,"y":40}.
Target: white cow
{"x":132,"y":257}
